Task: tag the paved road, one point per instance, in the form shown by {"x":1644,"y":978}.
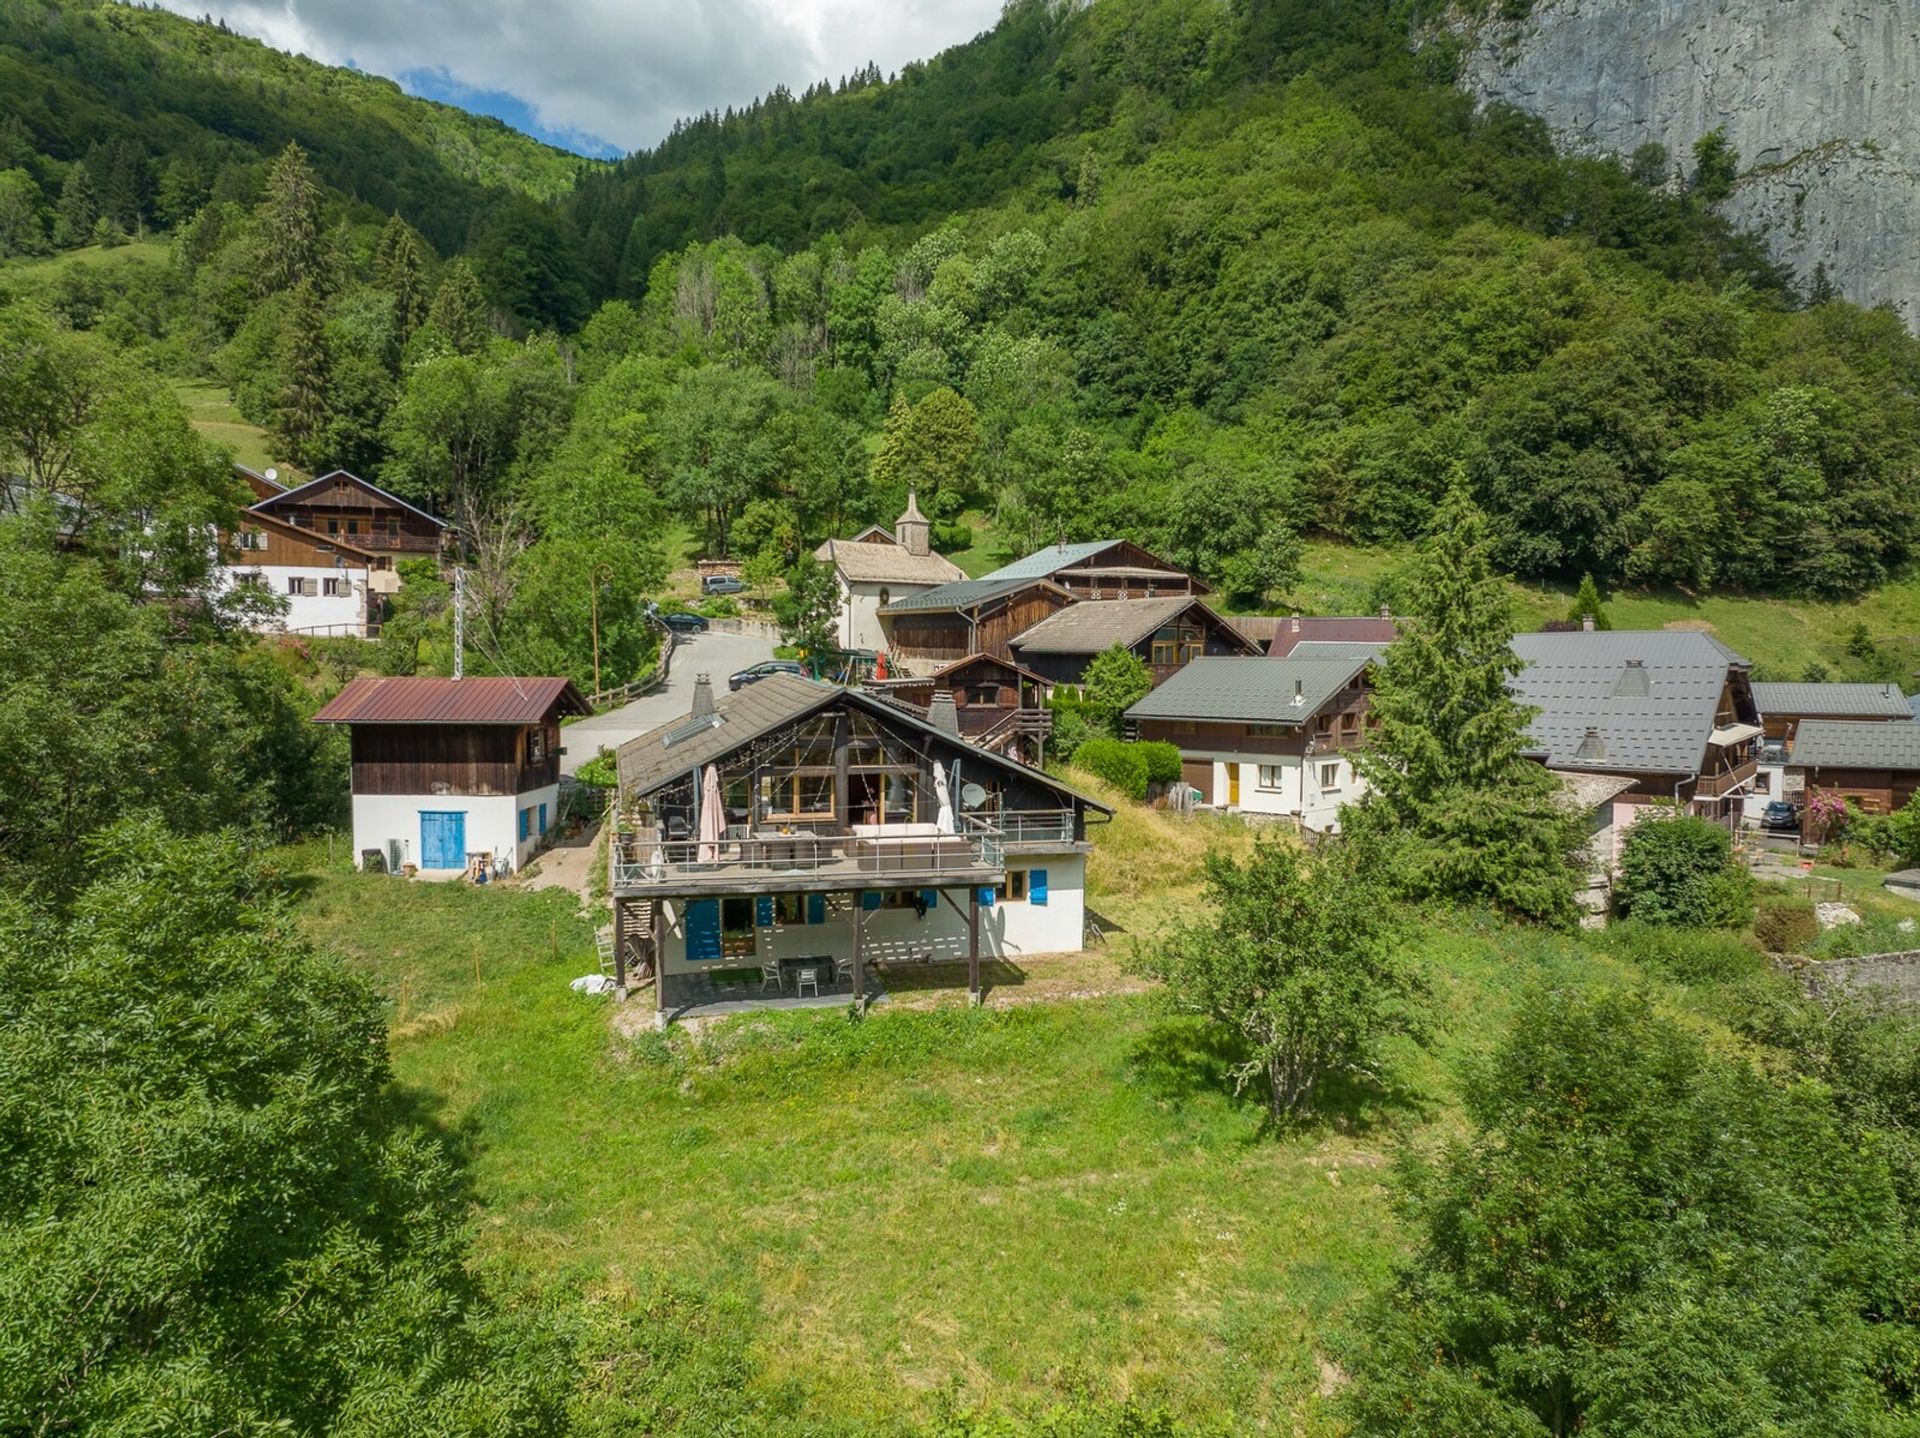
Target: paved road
{"x":716,"y":655}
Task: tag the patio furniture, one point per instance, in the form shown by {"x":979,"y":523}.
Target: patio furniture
{"x":808,"y":975}
{"x":770,"y":973}
{"x":843,"y":969}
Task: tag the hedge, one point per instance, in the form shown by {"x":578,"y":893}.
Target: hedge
{"x":1122,"y":765}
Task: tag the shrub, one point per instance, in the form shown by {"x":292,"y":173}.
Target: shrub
{"x":1692,"y":956}
{"x":1121,"y":765}
{"x":1163,"y":761}
{"x":1895,"y":835}
{"x":1786,"y":926}
{"x":1070,"y":731}
{"x":602,"y":771}
{"x":1676,"y":869}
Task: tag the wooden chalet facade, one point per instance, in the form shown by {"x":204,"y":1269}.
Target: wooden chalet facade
{"x":793,"y":834}
{"x":448,"y":772}
{"x":1166,"y":633}
{"x":345,"y":508}
{"x":1103,"y":569}
{"x":973,"y":616}
{"x":995,"y":703}
{"x":1871,"y":764}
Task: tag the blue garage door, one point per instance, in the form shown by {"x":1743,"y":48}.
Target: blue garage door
{"x":443,"y":840}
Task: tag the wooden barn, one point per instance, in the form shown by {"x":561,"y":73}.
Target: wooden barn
{"x":1166,"y":633}
{"x":974,"y":616}
{"x":1102,"y":569}
{"x":996,"y":704}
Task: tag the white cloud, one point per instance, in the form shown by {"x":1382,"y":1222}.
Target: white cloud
{"x":624,"y":70}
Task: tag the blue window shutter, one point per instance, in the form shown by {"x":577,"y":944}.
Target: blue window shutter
{"x":526,"y":823}
{"x":984,"y":897}
{"x":763,"y":912}
{"x":870,"y":900}
{"x":543,"y":818}
{"x":1037,"y":886}
{"x":816,"y":908}
{"x":931,"y":898}
{"x":703,"y":930}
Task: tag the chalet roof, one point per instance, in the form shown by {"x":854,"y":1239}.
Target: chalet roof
{"x":1315,"y":628}
{"x":950,"y":670}
{"x":417,"y":700}
{"x":867,"y":562}
{"x":1239,"y":689}
{"x":1650,"y":695}
{"x":1832,"y":701}
{"x":333,"y":477}
{"x":1587,"y":792}
{"x":260,"y":484}
{"x":1862,"y":744}
{"x":267,"y":520}
{"x":965,"y":594}
{"x":1096,"y":624}
{"x":664,"y":753}
{"x":1042,"y":562}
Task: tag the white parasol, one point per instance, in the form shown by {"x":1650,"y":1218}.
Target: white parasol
{"x":713,"y":819}
{"x":943,"y":792}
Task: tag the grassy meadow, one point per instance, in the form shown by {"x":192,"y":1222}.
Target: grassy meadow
{"x":938,"y":1203}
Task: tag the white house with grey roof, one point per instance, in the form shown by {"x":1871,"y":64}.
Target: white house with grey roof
{"x":1269,"y":737}
{"x":875,"y":568}
{"x":1672,"y":710}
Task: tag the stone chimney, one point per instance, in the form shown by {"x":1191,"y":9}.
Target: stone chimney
{"x":1293,"y":625}
{"x":913,"y":530}
{"x":702,"y":697}
{"x":941,"y":713}
{"x":1385,"y":612}
{"x":1586,"y":624}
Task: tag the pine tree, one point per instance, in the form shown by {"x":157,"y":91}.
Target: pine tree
{"x":1586,"y":605}
{"x":1822,"y":290}
{"x":300,"y":419}
{"x":1086,"y":192}
{"x":1456,"y":809}
{"x":459,"y":310}
{"x":399,"y":270}
{"x":73,"y":222}
{"x":289,"y":221}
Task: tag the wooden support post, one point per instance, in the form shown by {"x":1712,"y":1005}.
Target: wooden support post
{"x":973,"y":944}
{"x":619,"y":950}
{"x":859,"y":963}
{"x":660,"y":963}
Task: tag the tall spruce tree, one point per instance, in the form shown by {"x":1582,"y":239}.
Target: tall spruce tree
{"x":1456,"y":811}
{"x":300,"y":419}
{"x":1587,"y":605}
{"x":399,"y":270}
{"x":459,"y":310}
{"x":73,"y":221}
{"x":289,"y":220}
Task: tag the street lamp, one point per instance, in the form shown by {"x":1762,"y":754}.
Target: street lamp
{"x":601,"y":574}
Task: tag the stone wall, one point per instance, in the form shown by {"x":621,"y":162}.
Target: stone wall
{"x":1820,"y":97}
{"x":1898,"y":975}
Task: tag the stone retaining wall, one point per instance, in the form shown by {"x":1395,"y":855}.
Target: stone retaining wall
{"x":1897,"y":975}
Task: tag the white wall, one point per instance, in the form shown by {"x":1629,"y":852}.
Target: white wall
{"x":343,"y":612}
{"x":860,"y":626}
{"x":1011,"y":930}
{"x":493,"y":822}
{"x":1298,"y":791}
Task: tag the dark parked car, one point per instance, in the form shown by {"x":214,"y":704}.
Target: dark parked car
{"x":684,"y":623}
{"x":1780,"y":815}
{"x":722,"y":584}
{"x":761,"y":670}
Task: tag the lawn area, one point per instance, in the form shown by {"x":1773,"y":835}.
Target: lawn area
{"x":936,"y":1200}
{"x":47,"y":268}
{"x":211,"y":409}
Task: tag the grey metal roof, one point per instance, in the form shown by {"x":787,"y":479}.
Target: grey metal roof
{"x":1655,"y":718}
{"x":1861,"y":744}
{"x":651,"y":759}
{"x":1832,"y":701}
{"x":1249,"y":689}
{"x":1336,"y":649}
{"x":961,"y":594}
{"x":1042,"y":562}
{"x":1096,"y":624}
{"x":1915,"y":702}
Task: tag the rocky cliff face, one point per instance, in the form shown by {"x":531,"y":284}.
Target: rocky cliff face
{"x":1820,"y":97}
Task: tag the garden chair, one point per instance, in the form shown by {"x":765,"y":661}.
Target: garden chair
{"x":770,"y":974}
{"x":843,"y":969}
{"x":808,"y":975}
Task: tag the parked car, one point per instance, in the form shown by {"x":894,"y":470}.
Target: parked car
{"x":722,"y":584}
{"x":685,"y":623}
{"x":1780,"y":815}
{"x":755,"y":672}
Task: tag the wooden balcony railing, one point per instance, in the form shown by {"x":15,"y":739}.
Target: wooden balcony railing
{"x":1714,"y":786}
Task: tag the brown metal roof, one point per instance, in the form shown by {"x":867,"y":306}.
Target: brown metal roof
{"x":410,"y":700}
{"x":1351,"y":628}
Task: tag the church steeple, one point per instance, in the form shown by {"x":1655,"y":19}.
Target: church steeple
{"x":913,"y":530}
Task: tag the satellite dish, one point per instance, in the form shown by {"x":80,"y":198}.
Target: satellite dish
{"x":972,"y":796}
{"x":274,"y":475}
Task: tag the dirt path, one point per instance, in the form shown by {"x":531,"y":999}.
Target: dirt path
{"x":567,"y":865}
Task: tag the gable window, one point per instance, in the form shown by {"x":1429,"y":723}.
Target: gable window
{"x":253,"y":539}
{"x":333,"y":526}
{"x":983,"y":694}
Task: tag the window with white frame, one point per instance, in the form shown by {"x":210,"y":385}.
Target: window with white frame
{"x":1272,"y":777}
{"x":297,"y":585}
{"x":333,"y":588}
{"x":253,"y":539}
{"x":1329,"y":776}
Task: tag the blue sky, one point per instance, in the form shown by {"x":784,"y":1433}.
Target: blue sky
{"x":604,"y":76}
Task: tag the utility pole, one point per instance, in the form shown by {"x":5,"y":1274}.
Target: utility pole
{"x":601,"y":573}
{"x":459,"y":623}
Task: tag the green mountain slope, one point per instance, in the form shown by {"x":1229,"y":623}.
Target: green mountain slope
{"x":77,"y":76}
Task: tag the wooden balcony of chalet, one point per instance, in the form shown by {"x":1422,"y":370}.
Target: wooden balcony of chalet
{"x":1727,"y":781}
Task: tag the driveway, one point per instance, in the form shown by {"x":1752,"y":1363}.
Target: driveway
{"x":715,"y":655}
